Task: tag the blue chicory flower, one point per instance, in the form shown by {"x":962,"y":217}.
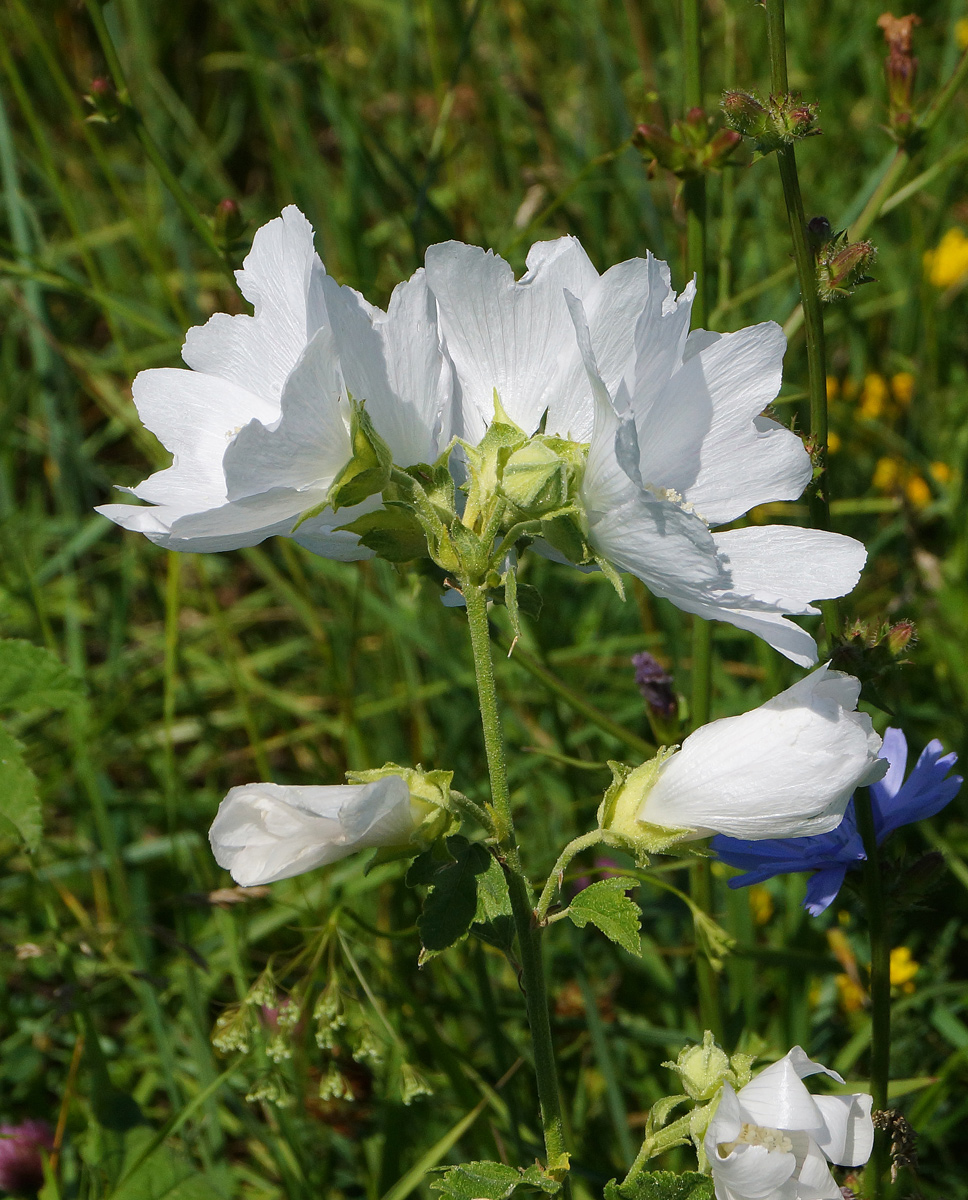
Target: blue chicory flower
{"x":894,"y":802}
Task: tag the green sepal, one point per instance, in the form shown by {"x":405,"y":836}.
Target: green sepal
{"x":535,"y":478}
{"x":663,"y":1185}
{"x":607,"y":907}
{"x":368,"y":471}
{"x":619,"y":808}
{"x":493,"y":1181}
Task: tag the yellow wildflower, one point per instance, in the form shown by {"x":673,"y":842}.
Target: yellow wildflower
{"x":761,"y":904}
{"x":873,"y":397}
{"x":833,"y":442}
{"x":948,"y":263}
{"x":852,"y":994}
{"x":833,"y":387}
{"x":961,"y":33}
{"x":902,"y":385}
{"x":917,"y":491}
{"x":941,"y":472}
{"x":903,"y":969}
{"x":888,"y":474}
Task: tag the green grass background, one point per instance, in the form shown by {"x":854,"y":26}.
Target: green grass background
{"x":394,"y":124}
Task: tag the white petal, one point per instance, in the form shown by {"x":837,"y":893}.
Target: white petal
{"x":773,"y":570}
{"x":777,"y":1099}
{"x":394,"y":362}
{"x":847,"y":691}
{"x":281,"y":276}
{"x":706,"y":438}
{"x":849,"y":1136}
{"x":785,"y":769}
{"x":515,"y":337}
{"x":264,"y":832}
{"x":244,"y":522}
{"x":194,"y":416}
{"x":755,"y":1173}
{"x":321,"y":534}
{"x":309,"y":445}
{"x":814,"y":1179}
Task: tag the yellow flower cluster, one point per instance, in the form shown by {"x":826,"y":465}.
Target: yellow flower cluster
{"x":947,"y":264}
{"x":903,"y":969}
{"x":893,"y":476}
{"x":853,"y":995}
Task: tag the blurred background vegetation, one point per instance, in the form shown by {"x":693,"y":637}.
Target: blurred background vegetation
{"x":394,"y":124}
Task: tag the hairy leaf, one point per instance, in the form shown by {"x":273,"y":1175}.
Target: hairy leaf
{"x":493,"y":1181}
{"x":663,"y":1185}
{"x":606,"y":905}
{"x":32,"y":677}
{"x":19,"y":801}
{"x":451,"y":904}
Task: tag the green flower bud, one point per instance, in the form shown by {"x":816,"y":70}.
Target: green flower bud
{"x":704,"y":1069}
{"x":535,"y":478}
{"x":431,"y":808}
{"x":619,"y":810}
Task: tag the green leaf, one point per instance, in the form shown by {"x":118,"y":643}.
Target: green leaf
{"x":451,"y":904}
{"x":494,"y":921}
{"x":32,"y":677}
{"x":663,"y":1185}
{"x":528,"y":598}
{"x":19,"y":800}
{"x":493,"y":1181}
{"x":392,"y":532}
{"x":607,"y":907}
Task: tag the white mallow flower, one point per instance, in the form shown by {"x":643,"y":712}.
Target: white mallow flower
{"x":773,"y":1140}
{"x":783,"y":770}
{"x":264,"y":832}
{"x":259,"y":428}
{"x":672,"y":422}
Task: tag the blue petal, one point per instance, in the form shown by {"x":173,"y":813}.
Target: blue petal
{"x":925,"y":792}
{"x":823,"y":887}
{"x":894,"y":749}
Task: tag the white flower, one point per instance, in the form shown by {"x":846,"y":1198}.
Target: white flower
{"x":264,"y":832}
{"x":773,"y":1140}
{"x":676,"y":442}
{"x":259,"y":426}
{"x":785,"y":769}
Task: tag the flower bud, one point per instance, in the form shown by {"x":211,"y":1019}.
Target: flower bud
{"x":21,"y":1165}
{"x":745,"y":114}
{"x":228,"y":223}
{"x":900,"y":70}
{"x":535,"y":479}
{"x":704,"y":1069}
{"x":839,"y":271}
{"x":104,"y":100}
{"x":667,"y":152}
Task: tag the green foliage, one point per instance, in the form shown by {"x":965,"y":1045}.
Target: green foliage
{"x":30,"y":677}
{"x":451,"y":874}
{"x":606,"y":906}
{"x":663,"y":1185}
{"x":494,"y":1181}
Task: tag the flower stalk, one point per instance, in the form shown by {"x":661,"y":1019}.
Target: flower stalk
{"x":528,"y":931}
{"x":880,"y":984}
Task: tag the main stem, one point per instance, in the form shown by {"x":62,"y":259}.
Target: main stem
{"x":529,"y":935}
{"x":809,"y":296}
{"x":880,"y":944}
{"x":694,"y":196}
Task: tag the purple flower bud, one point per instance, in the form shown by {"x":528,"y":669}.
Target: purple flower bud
{"x":21,"y":1166}
{"x":656,"y":685}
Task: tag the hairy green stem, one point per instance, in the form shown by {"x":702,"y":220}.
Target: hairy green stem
{"x":595,"y":838}
{"x":880,"y":944}
{"x":809,"y":295}
{"x":528,"y":931}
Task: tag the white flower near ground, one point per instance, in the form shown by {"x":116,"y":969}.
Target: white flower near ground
{"x":672,"y":420}
{"x":264,"y":832}
{"x":259,"y":426}
{"x":786,"y":769}
{"x":773,"y":1140}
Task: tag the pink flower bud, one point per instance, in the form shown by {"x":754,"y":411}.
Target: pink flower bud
{"x":21,"y":1165}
